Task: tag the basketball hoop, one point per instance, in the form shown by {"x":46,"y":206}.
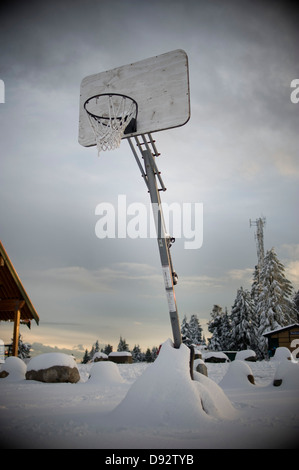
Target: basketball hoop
{"x":111,"y":115}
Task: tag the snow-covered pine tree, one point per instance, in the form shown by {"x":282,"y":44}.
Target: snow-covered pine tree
{"x":242,"y":322}
{"x":23,"y":349}
{"x":225,"y":331}
{"x":215,"y":327}
{"x":154,"y":353}
{"x":185,"y":332}
{"x":122,"y":345}
{"x":137,"y":355}
{"x":195,"y":330}
{"x":296,"y":302}
{"x":274,"y":308}
{"x":256,"y":286}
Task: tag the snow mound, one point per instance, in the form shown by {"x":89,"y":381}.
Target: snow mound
{"x":105,"y":373}
{"x":245,"y":355}
{"x":237,"y":376}
{"x":165,"y":394}
{"x":287,"y":375}
{"x":282,"y":354}
{"x":15,"y":367}
{"x":214,"y":401}
{"x":47,"y":360}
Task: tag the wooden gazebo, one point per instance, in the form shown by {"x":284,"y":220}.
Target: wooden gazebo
{"x":15,"y":304}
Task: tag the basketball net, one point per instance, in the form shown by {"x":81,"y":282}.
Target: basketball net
{"x":109,"y":115}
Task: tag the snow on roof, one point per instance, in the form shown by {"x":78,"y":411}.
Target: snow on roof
{"x":99,"y":354}
{"x":296,"y":325}
{"x":120,"y":353}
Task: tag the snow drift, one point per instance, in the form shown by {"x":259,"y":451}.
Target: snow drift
{"x":105,"y":373}
{"x":165,"y":394}
{"x":239,"y":375}
{"x":15,"y":367}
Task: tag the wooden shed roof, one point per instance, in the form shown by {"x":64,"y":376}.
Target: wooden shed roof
{"x":283,"y":328}
{"x":12,"y":293}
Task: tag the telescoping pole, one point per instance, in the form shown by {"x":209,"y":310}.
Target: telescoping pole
{"x":163,"y":244}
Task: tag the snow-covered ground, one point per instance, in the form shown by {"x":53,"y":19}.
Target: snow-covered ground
{"x":154,"y":406}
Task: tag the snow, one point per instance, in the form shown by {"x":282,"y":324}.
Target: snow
{"x":120,"y":353}
{"x":169,"y":397}
{"x":99,"y":355}
{"x":217,"y":354}
{"x":237,"y":376}
{"x":153,"y":406}
{"x":15,"y":367}
{"x":288,"y":373}
{"x":243,"y":355}
{"x":44,"y":361}
{"x":105,"y":373}
{"x":282,"y":354}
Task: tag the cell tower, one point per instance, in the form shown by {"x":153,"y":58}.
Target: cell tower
{"x":259,"y":238}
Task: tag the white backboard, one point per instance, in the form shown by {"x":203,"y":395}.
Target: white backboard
{"x":160,"y":86}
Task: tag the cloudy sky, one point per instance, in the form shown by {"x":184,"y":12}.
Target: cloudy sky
{"x":238,"y":156}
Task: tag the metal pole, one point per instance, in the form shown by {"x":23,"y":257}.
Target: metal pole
{"x":163,"y":242}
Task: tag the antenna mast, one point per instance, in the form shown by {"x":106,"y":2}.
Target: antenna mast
{"x":259,"y":238}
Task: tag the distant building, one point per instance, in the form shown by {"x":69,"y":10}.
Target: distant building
{"x":283,"y":337}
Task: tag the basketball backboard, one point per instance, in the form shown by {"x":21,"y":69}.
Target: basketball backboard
{"x":159,"y":85}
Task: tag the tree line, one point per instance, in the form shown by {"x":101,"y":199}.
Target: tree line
{"x":269,"y":304}
{"x":137,"y":355}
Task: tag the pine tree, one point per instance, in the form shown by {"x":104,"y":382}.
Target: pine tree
{"x":122,"y":345}
{"x":137,"y":355}
{"x":296,"y":303}
{"x":92,"y":352}
{"x":256,"y":285}
{"x":23,"y":349}
{"x":274,"y":307}
{"x":185,"y":332}
{"x":195,"y":330}
{"x":191,"y":331}
{"x":242,"y":322}
{"x":107,"y":349}
{"x":86,"y":357}
{"x":154,"y":353}
{"x":225,"y":332}
{"x":215,"y":327}
{"x":148,"y":356}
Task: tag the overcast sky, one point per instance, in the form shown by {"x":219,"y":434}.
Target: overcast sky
{"x":238,"y":156}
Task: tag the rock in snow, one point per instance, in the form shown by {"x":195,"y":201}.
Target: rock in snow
{"x":52,"y":368}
